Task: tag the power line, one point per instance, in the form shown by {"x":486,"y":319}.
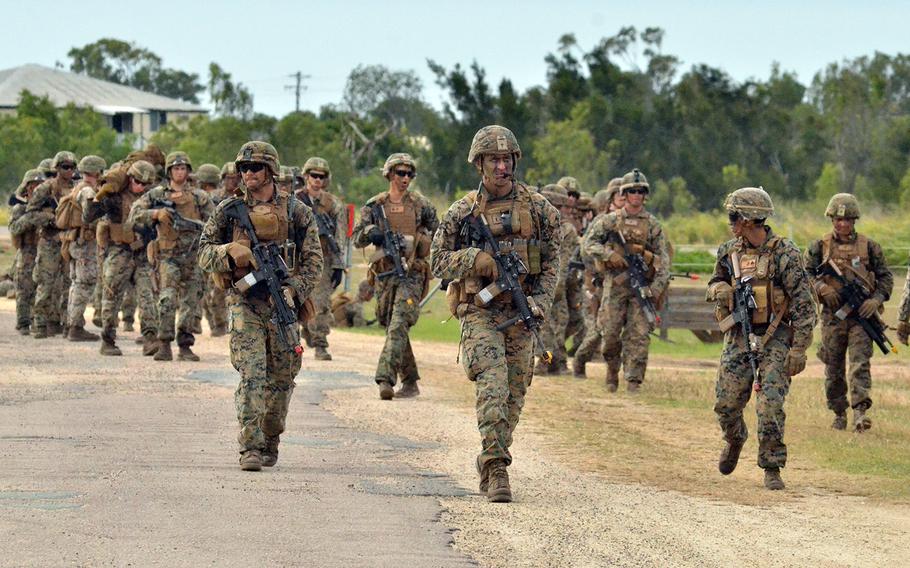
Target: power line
{"x":297,"y":87}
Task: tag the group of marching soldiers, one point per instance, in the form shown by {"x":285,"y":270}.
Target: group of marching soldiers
{"x":525,"y":270}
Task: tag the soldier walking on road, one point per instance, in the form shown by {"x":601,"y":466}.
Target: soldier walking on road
{"x":23,"y":229}
{"x":903,"y":313}
{"x":174,"y":252}
{"x":610,"y":239}
{"x":859,"y":257}
{"x":267,"y":367}
{"x":782,"y":318}
{"x":398,"y":222}
{"x":332,"y":222}
{"x":214,"y":302}
{"x":497,"y":353}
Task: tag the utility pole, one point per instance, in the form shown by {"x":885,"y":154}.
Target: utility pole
{"x":297,"y":87}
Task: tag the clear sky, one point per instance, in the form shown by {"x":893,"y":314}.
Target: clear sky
{"x":262,"y":42}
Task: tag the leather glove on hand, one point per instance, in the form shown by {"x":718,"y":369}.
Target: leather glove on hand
{"x":616,"y":262}
{"x":903,"y":331}
{"x":376,"y":237}
{"x":828,"y":296}
{"x":337,"y":275}
{"x":241,"y":254}
{"x":485,"y":266}
{"x":869,"y":307}
{"x":796,"y":362}
{"x":163,"y":216}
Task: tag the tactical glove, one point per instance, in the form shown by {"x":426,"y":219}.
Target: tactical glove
{"x":903,"y":331}
{"x":721,"y":292}
{"x":485,"y":266}
{"x":828,"y":296}
{"x":337,"y":275}
{"x":796,"y":362}
{"x":241,"y":254}
{"x":376,"y":237}
{"x":163,"y":216}
{"x":616,"y":262}
{"x":869,"y":307}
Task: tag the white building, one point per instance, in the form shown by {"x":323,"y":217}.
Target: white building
{"x":126,"y":109}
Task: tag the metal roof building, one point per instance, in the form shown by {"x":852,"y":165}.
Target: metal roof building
{"x":126,"y":109}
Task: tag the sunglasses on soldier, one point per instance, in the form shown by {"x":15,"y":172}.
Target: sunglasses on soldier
{"x":65,"y":167}
{"x":637,"y":191}
{"x":405,"y":173}
{"x":314,"y":175}
{"x":253,"y":167}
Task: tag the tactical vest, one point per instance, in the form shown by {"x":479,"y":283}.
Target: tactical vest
{"x":271,"y":223}
{"x":636,"y":231}
{"x":117,"y":232}
{"x":849,"y":258}
{"x":188,"y":208}
{"x":403,"y":218}
{"x":771,"y":300}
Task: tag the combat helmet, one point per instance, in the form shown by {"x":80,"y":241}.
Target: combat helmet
{"x":208,"y":173}
{"x":45,"y":167}
{"x":177,"y":158}
{"x":751,"y":203}
{"x":555,"y":194}
{"x":843,"y":205}
{"x":571,"y":185}
{"x":142,"y":171}
{"x":33,"y":175}
{"x":317,"y":163}
{"x":285,"y":175}
{"x":228,"y":169}
{"x":494,"y":139}
{"x":92,"y":164}
{"x":63,"y":157}
{"x":583,"y":201}
{"x":259,"y":152}
{"x":634,"y":179}
{"x":397,"y":159}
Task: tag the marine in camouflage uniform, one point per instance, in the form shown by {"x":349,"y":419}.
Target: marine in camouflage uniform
{"x":499,"y":361}
{"x":51,"y":279}
{"x":83,"y":254}
{"x":553,"y":331}
{"x":214,"y":300}
{"x":605,"y":201}
{"x":782,"y":323}
{"x":626,"y":329}
{"x":267,"y":368}
{"x":23,"y":229}
{"x":332,"y":222}
{"x":413,"y":218}
{"x":903,"y":313}
{"x":576,"y":211}
{"x":173,"y":253}
{"x":857,"y":257}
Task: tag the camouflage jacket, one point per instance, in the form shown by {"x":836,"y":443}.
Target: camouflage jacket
{"x":568,"y":242}
{"x":333,"y":207}
{"x":884,"y":279}
{"x":427,"y":220}
{"x":449,"y":261}
{"x":219,"y":230}
{"x":789,"y":274}
{"x":142,"y":211}
{"x":46,"y":198}
{"x":597,"y":245}
{"x":23,"y":227}
{"x":903,"y":313}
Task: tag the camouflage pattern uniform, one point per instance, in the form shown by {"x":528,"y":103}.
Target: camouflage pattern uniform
{"x":553,"y":331}
{"x":397,"y":299}
{"x":500,"y":362}
{"x":24,"y":232}
{"x":267,"y":370}
{"x":783,"y":330}
{"x":214,"y":299}
{"x":332,"y":212}
{"x":857,"y":256}
{"x":903,"y":313}
{"x":174,"y":252}
{"x":51,"y":279}
{"x":626,"y":330}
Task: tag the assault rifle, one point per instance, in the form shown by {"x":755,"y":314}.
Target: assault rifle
{"x":272,"y":271}
{"x":743,"y":307}
{"x":638,"y":279}
{"x":852,"y":295}
{"x":510,"y":268}
{"x":178,"y":221}
{"x":392,"y":244}
{"x":326,"y":227}
{"x":685,"y":274}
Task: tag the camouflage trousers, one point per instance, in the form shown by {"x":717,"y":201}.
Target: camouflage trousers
{"x":500,"y":363}
{"x":625,"y":332}
{"x":397,"y":308}
{"x":51,"y":284}
{"x":214,"y":304}
{"x":576,"y":301}
{"x":122,"y":267}
{"x":553,"y":330}
{"x":734,"y":388}
{"x":839,"y":337}
{"x":592,"y":344}
{"x":83,"y":277}
{"x":130,"y":303}
{"x":266,"y":372}
{"x":179,"y":284}
{"x":321,"y":325}
{"x":25,"y":286}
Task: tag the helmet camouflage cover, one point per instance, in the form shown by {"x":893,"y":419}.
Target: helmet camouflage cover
{"x":142,"y":171}
{"x":63,"y":157}
{"x":570,"y":183}
{"x":92,"y":164}
{"x":555,"y":194}
{"x":45,"y":166}
{"x":208,"y":173}
{"x":35,"y":175}
{"x":843,"y":205}
{"x":398,"y":159}
{"x":285,"y":175}
{"x":259,"y":152}
{"x":494,"y":139}
{"x":228,"y":169}
{"x":583,"y":202}
{"x":634,"y":179}
{"x":317,"y":163}
{"x":175,"y":159}
{"x":750,"y":203}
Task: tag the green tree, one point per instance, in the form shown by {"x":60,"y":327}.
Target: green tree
{"x":230,"y":99}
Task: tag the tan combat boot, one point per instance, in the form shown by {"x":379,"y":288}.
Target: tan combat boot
{"x":40,"y":332}
{"x":385,"y":390}
{"x":773,"y":480}
{"x":251,"y":460}
{"x":578,"y":368}
{"x":861,"y":422}
{"x":270,"y":453}
{"x":840,"y":421}
{"x":633,"y":387}
{"x":54,"y":328}
{"x":612,"y":380}
{"x":79,"y":334}
{"x":186,"y":354}
{"x":128,"y":326}
{"x":322,"y":355}
{"x":484,"y":473}
{"x":408,"y":389}
{"x":498,"y":490}
{"x":164,"y":351}
{"x":729,"y":456}
{"x":110,"y":349}
{"x":150,"y":345}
